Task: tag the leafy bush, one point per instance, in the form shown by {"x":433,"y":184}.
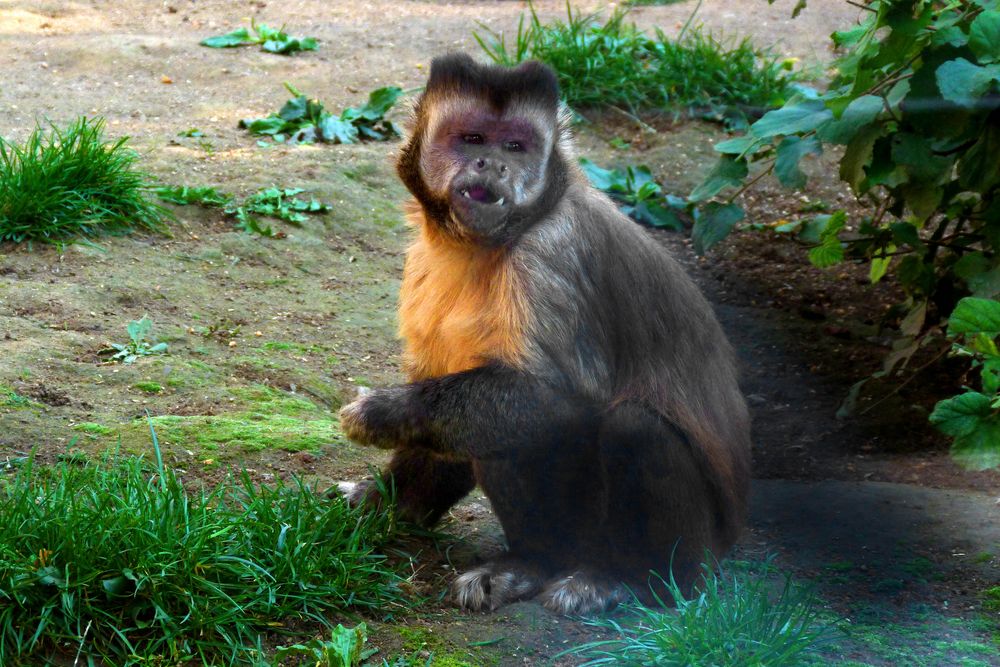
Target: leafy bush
{"x":270,"y":40}
{"x":302,"y":120}
{"x":344,"y":648}
{"x":732,"y":620}
{"x":638,"y":195}
{"x":916,"y":105}
{"x":120,"y":564}
{"x":614,"y":63}
{"x":66,"y":183}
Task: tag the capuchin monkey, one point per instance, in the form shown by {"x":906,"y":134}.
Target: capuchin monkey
{"x":557,"y":356}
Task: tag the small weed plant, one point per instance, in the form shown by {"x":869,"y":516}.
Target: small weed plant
{"x":637,"y":194}
{"x":270,"y":40}
{"x":304,"y":120}
{"x":64,"y":184}
{"x":344,"y":648}
{"x":138,"y":345}
{"x":280,"y":203}
{"x":613,"y":63}
{"x":729,"y":621}
{"x":118,"y":563}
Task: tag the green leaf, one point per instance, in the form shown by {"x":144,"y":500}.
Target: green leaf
{"x":961,"y":415}
{"x":728,"y":172}
{"x":739,"y":145}
{"x":830,"y":251}
{"x":600,"y":178}
{"x":799,"y":117}
{"x":964,"y":83}
{"x":239,"y":37}
{"x":138,"y":330}
{"x":380,"y":101}
{"x":860,"y":112}
{"x":790,"y":151}
{"x":979,"y":168}
{"x":880,"y":264}
{"x":654,"y":214}
{"x":335,"y":130}
{"x":858,"y":155}
{"x":975,"y":315}
{"x":712,"y":223}
{"x":984,"y":37}
{"x":267,"y":126}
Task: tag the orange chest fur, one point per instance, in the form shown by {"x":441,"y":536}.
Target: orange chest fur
{"x":460,"y":307}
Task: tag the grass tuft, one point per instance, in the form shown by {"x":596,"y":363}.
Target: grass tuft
{"x":64,"y":184}
{"x":733,"y":621}
{"x":115,"y":560}
{"x":615,"y":64}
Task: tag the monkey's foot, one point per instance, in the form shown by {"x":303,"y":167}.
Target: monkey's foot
{"x":493,"y":585}
{"x":582,"y":593}
{"x":363,"y":493}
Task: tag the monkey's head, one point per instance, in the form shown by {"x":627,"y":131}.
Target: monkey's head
{"x":483,"y":158}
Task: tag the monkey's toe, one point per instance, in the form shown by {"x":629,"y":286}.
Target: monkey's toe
{"x":582,"y":593}
{"x":487,"y":588}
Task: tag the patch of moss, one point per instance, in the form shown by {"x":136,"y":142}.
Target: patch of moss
{"x":442,"y":652}
{"x":266,"y":399}
{"x":991,"y":599}
{"x":11,"y":399}
{"x":247,"y":432}
{"x":93,"y":428}
{"x":149,"y":387}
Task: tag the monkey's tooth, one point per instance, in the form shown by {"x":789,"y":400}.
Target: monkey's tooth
{"x":500,"y":201}
{"x":465,"y":193}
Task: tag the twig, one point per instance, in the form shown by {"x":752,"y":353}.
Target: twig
{"x":752,"y":182}
{"x":860,"y":6}
{"x":905,"y":382}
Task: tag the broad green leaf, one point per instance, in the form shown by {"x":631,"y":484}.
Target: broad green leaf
{"x":813,"y":228}
{"x":829,"y":253}
{"x":964,"y":83}
{"x":138,"y":330}
{"x":728,"y":172}
{"x":980,"y":448}
{"x":793,"y":119}
{"x":984,"y":37}
{"x":739,"y":145}
{"x":294,"y":109}
{"x":860,"y":112}
{"x":712,"y":223}
{"x":915,"y":152}
{"x":655,"y":215}
{"x":979,"y":169}
{"x":989,"y":374}
{"x":880,"y":264}
{"x":857,"y":155}
{"x":791,"y":150}
{"x":267,"y":126}
{"x":961,"y":415}
{"x":239,"y":37}
{"x":975,"y":315}
{"x":600,"y":178}
{"x":380,"y":101}
{"x":335,"y":130}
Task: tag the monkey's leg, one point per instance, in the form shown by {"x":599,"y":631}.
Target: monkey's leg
{"x":426,"y":486}
{"x":660,"y":516}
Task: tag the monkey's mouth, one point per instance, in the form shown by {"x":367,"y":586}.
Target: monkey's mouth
{"x":481,"y":194}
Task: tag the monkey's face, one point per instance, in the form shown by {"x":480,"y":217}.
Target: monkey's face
{"x":488,"y":166}
{"x":482,"y":147}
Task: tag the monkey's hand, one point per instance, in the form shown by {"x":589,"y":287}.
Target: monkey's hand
{"x":386,"y":418}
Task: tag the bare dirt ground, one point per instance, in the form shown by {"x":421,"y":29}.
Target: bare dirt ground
{"x":899,"y":541}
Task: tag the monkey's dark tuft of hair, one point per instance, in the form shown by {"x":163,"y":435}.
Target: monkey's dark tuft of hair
{"x":458,"y":74}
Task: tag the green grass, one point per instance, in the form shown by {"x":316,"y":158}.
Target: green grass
{"x":62,"y":184}
{"x":615,"y":64}
{"x":734,"y":620}
{"x":120,"y":563}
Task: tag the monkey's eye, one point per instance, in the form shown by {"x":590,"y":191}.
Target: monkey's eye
{"x":472,"y":138}
{"x":514,"y":146}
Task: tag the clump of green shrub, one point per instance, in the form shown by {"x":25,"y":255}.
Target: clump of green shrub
{"x":270,"y":39}
{"x":614,"y":63}
{"x":118,"y":563}
{"x":304,"y":120}
{"x":62,"y":184}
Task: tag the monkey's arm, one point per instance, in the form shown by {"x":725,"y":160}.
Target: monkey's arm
{"x":477,"y":413}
